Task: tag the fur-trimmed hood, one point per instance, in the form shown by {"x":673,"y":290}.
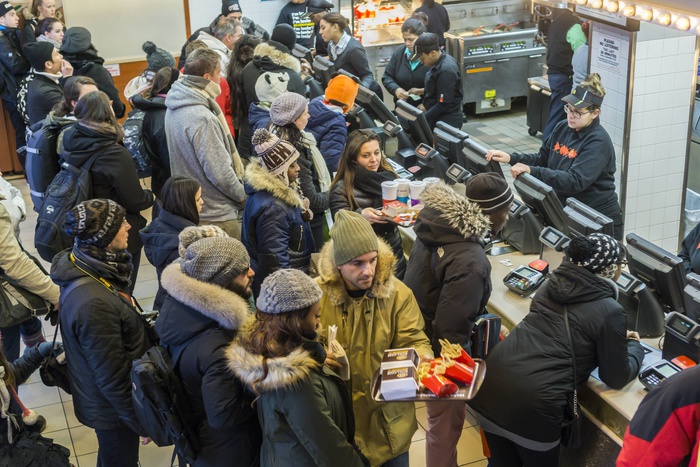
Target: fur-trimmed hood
{"x":450,"y":218}
{"x":259,"y":179}
{"x":332,"y":282}
{"x":224,"y":306}
{"x":266,"y":55}
{"x":283,"y":372}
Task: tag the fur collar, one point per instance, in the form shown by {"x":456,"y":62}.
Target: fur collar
{"x":277,"y":56}
{"x":461,"y":214}
{"x":261,"y":180}
{"x":332,"y":283}
{"x":224,"y":306}
{"x":283,"y":372}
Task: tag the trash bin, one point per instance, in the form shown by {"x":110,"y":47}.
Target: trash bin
{"x":538,"y":97}
{"x":692,"y":210}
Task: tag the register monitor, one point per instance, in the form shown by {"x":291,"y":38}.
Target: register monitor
{"x":414,"y":123}
{"x":522,"y":230}
{"x":554,"y":245}
{"x":581,"y":220}
{"x":474,"y":158}
{"x":692,"y":296}
{"x":542,"y":199}
{"x":431,"y":162}
{"x":448,"y":142}
{"x":374,"y":106}
{"x":324,"y":69}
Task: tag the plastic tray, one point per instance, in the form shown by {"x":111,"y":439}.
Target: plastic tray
{"x":464,"y":392}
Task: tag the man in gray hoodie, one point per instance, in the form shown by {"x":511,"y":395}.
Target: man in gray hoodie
{"x":200,"y":143}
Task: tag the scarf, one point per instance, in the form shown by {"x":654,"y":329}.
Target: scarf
{"x":43,"y":38}
{"x":115,"y":267}
{"x":370,"y":183}
{"x":210,"y":91}
{"x":54,"y":77}
{"x":320,"y":167}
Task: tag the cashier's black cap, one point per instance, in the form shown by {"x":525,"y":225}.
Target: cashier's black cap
{"x":582,"y":98}
{"x":426,"y":43}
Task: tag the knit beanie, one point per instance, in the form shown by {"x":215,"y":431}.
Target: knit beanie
{"x":343,"y":90}
{"x":352,"y":236}
{"x":230,"y":6}
{"x":215,"y":260}
{"x":189,"y":235}
{"x":94,"y":222}
{"x":489,"y":191}
{"x":77,"y":39}
{"x":599,"y":253}
{"x":156,"y":57}
{"x":275,"y":154}
{"x":287,"y":290}
{"x":287,"y":107}
{"x":38,"y":53}
{"x":283,"y":35}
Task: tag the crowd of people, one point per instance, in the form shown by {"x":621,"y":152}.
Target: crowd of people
{"x":250,"y":179}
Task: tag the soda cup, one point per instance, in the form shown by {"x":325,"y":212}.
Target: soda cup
{"x":402,"y":191}
{"x":389,"y":191}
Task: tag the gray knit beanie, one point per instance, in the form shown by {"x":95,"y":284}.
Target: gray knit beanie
{"x":156,"y":57}
{"x":215,"y":260}
{"x":189,"y":235}
{"x":352,"y":236}
{"x":287,"y":290}
{"x":287,"y":107}
{"x":76,"y":39}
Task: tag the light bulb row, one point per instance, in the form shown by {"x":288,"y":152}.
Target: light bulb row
{"x":645,"y":13}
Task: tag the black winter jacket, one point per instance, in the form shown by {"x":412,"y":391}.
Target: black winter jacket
{"x":448,"y":271}
{"x":580,"y":164}
{"x":88,"y":64}
{"x":197,"y":322}
{"x":113,"y":174}
{"x":13,"y":64}
{"x":390,"y":232}
{"x":29,"y":30}
{"x":398,"y":74}
{"x":160,"y":243}
{"x":42,"y":94}
{"x":690,"y":251}
{"x":530,"y":374}
{"x":102,"y":335}
{"x":154,"y":136}
{"x":443,"y":92}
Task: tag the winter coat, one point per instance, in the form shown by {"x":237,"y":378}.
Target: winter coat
{"x":274,"y":232}
{"x":197,"y":322}
{"x":88,"y":64}
{"x":12,"y":199}
{"x":15,"y":264}
{"x":102,"y":335}
{"x":580,"y":164}
{"x":309,"y":182}
{"x":388,"y":231}
{"x":197,"y":148}
{"x":386,"y":317}
{"x":155,"y":137}
{"x":304,"y":408}
{"x":113,"y":174}
{"x":513,"y":402}
{"x":42,"y":94}
{"x":329,"y":129}
{"x":665,"y":429}
{"x":160,"y":243}
{"x":448,"y":271}
{"x":690,"y":251}
{"x":219,"y":47}
{"x":29,"y":30}
{"x":399,"y":74}
{"x":258,"y":117}
{"x":13,"y":65}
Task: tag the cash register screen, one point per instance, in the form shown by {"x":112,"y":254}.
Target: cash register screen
{"x":624,"y":281}
{"x":681,"y":326}
{"x":666,"y":370}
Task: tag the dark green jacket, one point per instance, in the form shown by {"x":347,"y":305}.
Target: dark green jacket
{"x":304,"y":408}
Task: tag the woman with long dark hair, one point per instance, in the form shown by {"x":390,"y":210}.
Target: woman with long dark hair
{"x":404,"y":77}
{"x":357,"y":186}
{"x":304,"y":408}
{"x":97,"y":134}
{"x":75,"y":88}
{"x":240,"y":56}
{"x":180,"y":205}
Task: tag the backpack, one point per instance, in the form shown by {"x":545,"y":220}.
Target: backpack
{"x":135,"y":142}
{"x":42,"y":160}
{"x":22,"y":91}
{"x":71,"y":186}
{"x":161,"y":404}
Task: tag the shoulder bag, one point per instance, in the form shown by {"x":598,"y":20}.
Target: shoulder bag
{"x":571,"y":428}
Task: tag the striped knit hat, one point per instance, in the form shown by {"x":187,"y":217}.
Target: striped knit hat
{"x":275,"y":155}
{"x":489,"y":191}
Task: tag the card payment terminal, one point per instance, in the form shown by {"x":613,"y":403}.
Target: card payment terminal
{"x":655,"y":374}
{"x":523,"y":280}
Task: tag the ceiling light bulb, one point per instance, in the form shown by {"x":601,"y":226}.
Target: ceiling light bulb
{"x":665,"y":19}
{"x":612,"y":6}
{"x":647,"y":14}
{"x":683,"y":23}
{"x":629,"y":10}
{"x":597,"y":4}
{"x":581,"y":2}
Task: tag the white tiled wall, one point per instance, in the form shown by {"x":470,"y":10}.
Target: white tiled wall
{"x":264,"y":13}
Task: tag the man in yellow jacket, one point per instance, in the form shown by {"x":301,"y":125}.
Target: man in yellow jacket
{"x":374,"y":311}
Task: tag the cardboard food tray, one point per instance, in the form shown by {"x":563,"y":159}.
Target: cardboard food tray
{"x":464,"y":392}
{"x":397,"y":221}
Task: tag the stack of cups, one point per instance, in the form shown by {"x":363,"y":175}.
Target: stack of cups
{"x":430,"y":180}
{"x":415,"y":188}
{"x":389,"y":191}
{"x":402,"y":194}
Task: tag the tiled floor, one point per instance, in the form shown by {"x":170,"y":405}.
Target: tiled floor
{"x":505,"y":132}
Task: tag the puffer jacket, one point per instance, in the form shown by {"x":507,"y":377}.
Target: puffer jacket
{"x":217,"y":46}
{"x":13,"y":64}
{"x":87,"y":63}
{"x":160,"y":243}
{"x":274,"y":232}
{"x":102,"y":335}
{"x":197,"y":322}
{"x":154,"y":136}
{"x":388,"y":231}
{"x":386,"y":317}
{"x":330,"y":130}
{"x":530,"y":374}
{"x":304,"y":408}
{"x":449,"y":273}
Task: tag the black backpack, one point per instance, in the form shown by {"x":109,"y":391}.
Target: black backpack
{"x":161,"y":404}
{"x":71,"y":186}
{"x":135,"y":142}
{"x":42,"y":160}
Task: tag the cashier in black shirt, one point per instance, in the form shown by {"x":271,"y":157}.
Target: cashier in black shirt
{"x":443,"y":83}
{"x":578,"y":159}
{"x":404,"y":76}
{"x":690,"y":251}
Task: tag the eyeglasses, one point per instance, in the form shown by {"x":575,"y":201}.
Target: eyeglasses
{"x":573,"y":112}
